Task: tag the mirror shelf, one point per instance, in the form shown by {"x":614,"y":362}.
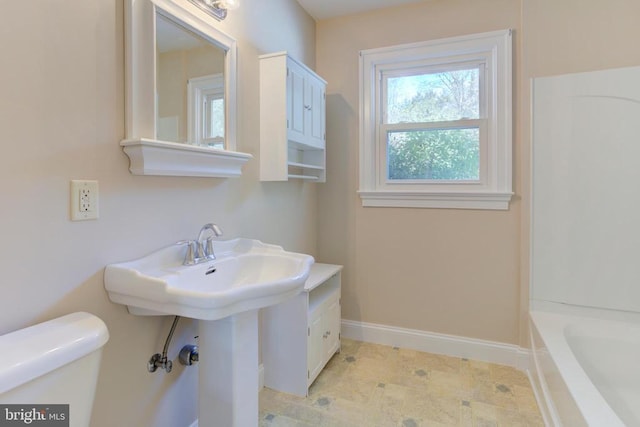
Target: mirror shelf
{"x":153,"y":157}
{"x":150,"y":153}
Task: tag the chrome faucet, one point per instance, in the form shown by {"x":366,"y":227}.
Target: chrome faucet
{"x":201,"y":250}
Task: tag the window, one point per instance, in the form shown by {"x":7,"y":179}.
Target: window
{"x":213,"y":106}
{"x":436,"y":123}
{"x":205,"y":111}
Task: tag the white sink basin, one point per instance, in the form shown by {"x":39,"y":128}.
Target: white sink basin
{"x":246,"y":275}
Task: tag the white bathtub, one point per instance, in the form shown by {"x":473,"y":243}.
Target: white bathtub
{"x":586,"y":366}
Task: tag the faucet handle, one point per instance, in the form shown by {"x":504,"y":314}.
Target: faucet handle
{"x":190,"y":256}
{"x":208,"y":250}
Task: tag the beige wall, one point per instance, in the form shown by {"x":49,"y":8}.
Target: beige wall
{"x":61,"y":118}
{"x":439,"y":270}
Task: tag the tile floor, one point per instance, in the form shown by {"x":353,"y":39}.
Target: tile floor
{"x":371,"y":385}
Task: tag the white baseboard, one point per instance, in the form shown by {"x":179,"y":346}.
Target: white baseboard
{"x":451,"y":345}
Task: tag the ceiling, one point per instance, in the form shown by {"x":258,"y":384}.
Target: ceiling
{"x":323,"y":9}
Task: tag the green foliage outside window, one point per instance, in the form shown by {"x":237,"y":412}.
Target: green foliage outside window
{"x":450,"y":154}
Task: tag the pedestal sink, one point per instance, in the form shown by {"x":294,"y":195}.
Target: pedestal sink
{"x":224,"y":295}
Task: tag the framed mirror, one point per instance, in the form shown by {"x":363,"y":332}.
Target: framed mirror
{"x":180,"y":92}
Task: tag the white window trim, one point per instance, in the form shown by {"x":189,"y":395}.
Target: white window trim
{"x":494,"y":190}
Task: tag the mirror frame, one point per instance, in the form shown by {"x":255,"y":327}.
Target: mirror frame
{"x":147,"y":154}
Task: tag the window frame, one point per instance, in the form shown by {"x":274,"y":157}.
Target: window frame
{"x":492,"y":53}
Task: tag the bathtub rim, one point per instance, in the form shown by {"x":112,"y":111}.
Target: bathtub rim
{"x":590,"y":404}
{"x":546,"y":403}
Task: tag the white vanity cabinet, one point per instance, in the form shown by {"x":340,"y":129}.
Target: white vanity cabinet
{"x":301,"y":334}
{"x":292,"y":120}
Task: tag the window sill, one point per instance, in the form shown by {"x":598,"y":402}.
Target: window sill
{"x":441,"y":200}
{"x":152,"y":157}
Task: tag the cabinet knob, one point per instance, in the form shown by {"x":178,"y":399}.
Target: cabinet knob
{"x":307,"y":107}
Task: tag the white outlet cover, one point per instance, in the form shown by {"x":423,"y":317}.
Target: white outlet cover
{"x":84,"y":200}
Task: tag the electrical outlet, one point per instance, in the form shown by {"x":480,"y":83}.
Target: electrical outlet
{"x":84,"y":200}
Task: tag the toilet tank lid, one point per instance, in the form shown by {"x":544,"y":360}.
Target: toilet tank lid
{"x":36,"y":350}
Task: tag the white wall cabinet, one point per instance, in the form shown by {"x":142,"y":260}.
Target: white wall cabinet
{"x":301,"y":334}
{"x":292,"y":120}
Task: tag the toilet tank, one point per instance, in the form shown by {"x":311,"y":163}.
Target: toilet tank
{"x":54,"y":362}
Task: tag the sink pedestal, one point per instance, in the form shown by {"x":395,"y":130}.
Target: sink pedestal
{"x":228,"y":377}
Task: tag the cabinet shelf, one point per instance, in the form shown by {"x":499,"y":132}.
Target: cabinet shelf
{"x":305,"y":177}
{"x":305,"y":166}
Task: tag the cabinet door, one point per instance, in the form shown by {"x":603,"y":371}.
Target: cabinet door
{"x":296,"y":103}
{"x":332,"y":325}
{"x":315,"y":345}
{"x":296,"y":112}
{"x":314,"y":105}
